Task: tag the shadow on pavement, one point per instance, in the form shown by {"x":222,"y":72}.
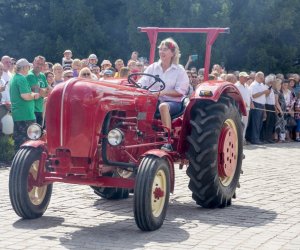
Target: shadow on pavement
{"x":122,"y":235}
{"x":235,"y":215}
{"x":43,"y":222}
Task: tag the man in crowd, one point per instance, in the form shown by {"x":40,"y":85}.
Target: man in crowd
{"x":269,"y":124}
{"x":258,"y":91}
{"x":6,"y":76}
{"x":22,"y":101}
{"x":243,"y":88}
{"x":38,"y":83}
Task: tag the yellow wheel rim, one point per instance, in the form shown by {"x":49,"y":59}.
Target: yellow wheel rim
{"x":227,"y":152}
{"x":36,"y":194}
{"x":158,"y":195}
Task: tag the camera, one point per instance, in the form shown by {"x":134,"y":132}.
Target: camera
{"x":194,"y":58}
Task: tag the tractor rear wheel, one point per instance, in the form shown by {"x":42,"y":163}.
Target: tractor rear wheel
{"x":151,"y":193}
{"x":215,"y":152}
{"x":28,"y":199}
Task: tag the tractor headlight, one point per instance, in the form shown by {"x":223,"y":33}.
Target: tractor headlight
{"x":115,"y":137}
{"x":34,"y":131}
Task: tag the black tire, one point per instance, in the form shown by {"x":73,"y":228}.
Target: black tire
{"x":150,"y":210}
{"x":111,"y":193}
{"x":28,"y":204}
{"x":210,"y":123}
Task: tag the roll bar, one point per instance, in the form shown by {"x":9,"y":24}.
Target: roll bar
{"x":212,"y":34}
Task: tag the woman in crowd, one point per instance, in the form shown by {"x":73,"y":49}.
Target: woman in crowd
{"x":289,"y":100}
{"x":296,"y":108}
{"x":50,"y":78}
{"x":85,"y":73}
{"x":175,"y":78}
{"x":76,"y":67}
{"x":58,"y":73}
{"x":280,"y":108}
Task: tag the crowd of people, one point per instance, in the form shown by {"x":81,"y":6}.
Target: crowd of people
{"x":272,"y":102}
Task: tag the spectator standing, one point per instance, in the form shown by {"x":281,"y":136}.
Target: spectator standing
{"x":6,"y":77}
{"x":119,"y":63}
{"x":58,"y":74}
{"x":297,"y":116}
{"x":68,"y":74}
{"x":231,"y":78}
{"x":22,"y":101}
{"x":50,"y":78}
{"x":92,"y":61}
{"x":4,"y":105}
{"x":245,"y":92}
{"x":96,"y":72}
{"x":134,"y":56}
{"x":297,"y":84}
{"x":38,"y":84}
{"x":256,"y":115}
{"x":280,"y":108}
{"x":67,"y":59}
{"x":85,"y":73}
{"x":106,"y":64}
{"x":289,"y":98}
{"x":270,"y":121}
{"x":76,"y":67}
{"x":124,"y":72}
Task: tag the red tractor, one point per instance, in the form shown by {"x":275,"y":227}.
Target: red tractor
{"x":106,"y":135}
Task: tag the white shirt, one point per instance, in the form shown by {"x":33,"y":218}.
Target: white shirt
{"x":6,"y":76}
{"x":245,"y":92}
{"x":255,"y":88}
{"x":270,"y":99}
{"x":174,"y":77}
{"x":287,"y":97}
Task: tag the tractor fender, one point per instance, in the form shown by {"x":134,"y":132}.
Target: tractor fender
{"x":209,"y":91}
{"x":214,"y":89}
{"x":35,"y":144}
{"x":163,"y":154}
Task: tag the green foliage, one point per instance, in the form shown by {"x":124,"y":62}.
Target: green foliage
{"x":6,"y":148}
{"x":263,"y":33}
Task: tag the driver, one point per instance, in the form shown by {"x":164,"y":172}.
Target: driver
{"x":175,"y":78}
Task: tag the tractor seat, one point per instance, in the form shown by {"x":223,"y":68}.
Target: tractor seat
{"x":184,"y":104}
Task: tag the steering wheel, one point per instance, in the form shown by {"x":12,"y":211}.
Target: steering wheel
{"x":157,"y":79}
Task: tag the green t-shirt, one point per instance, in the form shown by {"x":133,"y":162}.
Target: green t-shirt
{"x":36,"y":82}
{"x":22,"y":110}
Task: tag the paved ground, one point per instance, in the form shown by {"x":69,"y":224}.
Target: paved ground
{"x":265,"y":215}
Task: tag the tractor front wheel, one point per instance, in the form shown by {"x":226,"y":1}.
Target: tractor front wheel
{"x":215,"y":152}
{"x":29,"y":199}
{"x":151,"y":193}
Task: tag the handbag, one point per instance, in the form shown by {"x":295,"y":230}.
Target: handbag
{"x":291,"y":122}
{"x":7,"y":124}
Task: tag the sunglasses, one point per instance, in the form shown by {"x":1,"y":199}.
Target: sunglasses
{"x":86,"y":74}
{"x":68,"y":76}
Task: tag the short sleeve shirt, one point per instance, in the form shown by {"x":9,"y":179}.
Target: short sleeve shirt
{"x":22,"y":110}
{"x":255,"y":88}
{"x":174,"y":77}
{"x":245,"y":92}
{"x":36,"y":82}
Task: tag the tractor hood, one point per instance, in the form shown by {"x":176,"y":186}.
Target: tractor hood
{"x":76,"y":109}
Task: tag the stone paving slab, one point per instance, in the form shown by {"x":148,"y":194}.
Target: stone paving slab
{"x":265,"y":215}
